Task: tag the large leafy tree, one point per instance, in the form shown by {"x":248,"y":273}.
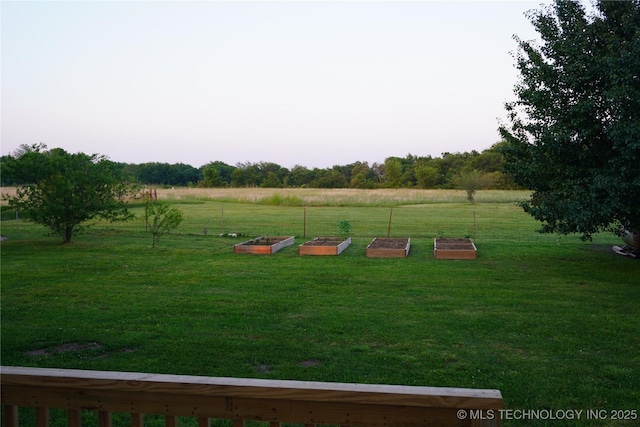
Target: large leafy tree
{"x":63,"y":191}
{"x":574,"y":131}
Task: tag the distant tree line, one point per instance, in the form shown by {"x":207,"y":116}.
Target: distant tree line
{"x":448,"y":171}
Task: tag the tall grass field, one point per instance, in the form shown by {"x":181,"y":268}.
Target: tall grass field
{"x":551,"y":321}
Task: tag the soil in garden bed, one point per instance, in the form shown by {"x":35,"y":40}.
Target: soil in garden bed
{"x":389,"y":243}
{"x":324,"y":241}
{"x":264,"y":241}
{"x":454,"y":244}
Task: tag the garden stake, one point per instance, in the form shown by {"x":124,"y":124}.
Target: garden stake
{"x":474,"y":226}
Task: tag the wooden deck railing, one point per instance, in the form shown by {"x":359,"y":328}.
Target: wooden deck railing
{"x":273,"y":401}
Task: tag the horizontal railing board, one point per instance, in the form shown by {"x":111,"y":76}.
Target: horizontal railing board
{"x":299,"y":411}
{"x":310,"y":403}
{"x":443,"y":397}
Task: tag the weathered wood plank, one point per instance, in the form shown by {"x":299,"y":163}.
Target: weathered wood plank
{"x":272,"y":401}
{"x":444,"y":397}
{"x":74,"y":418}
{"x":171,"y":421}
{"x":105,"y":419}
{"x":42,"y":416}
{"x":137,"y":420}
{"x":281,"y":410}
{"x":11,"y":415}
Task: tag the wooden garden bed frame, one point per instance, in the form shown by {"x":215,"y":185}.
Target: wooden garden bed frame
{"x":454,"y":249}
{"x":333,"y":246}
{"x":264,"y":245}
{"x":375,"y":250}
{"x":240,"y":399}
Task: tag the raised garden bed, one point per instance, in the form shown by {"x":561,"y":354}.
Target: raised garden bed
{"x":388,"y":247}
{"x":263,"y":245}
{"x":324,"y":246}
{"x":454,"y":249}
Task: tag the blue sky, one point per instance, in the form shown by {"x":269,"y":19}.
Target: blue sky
{"x":314,"y":83}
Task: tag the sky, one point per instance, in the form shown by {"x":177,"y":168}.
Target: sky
{"x":310,"y":83}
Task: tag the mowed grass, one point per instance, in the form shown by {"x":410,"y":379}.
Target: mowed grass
{"x":551,"y":322}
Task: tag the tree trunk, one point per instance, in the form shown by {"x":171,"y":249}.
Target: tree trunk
{"x":68,"y":232}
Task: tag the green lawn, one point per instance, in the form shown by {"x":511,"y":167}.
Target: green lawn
{"x":551,"y":322}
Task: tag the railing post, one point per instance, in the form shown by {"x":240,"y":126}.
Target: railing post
{"x":74,"y":417}
{"x":137,"y":420}
{"x":104,"y":419}
{"x":11,"y":415}
{"x":202,"y":422}
{"x":171,"y":421}
{"x":42,"y":417}
{"x":497,"y":422}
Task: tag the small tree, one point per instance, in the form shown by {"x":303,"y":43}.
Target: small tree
{"x":162,"y":218}
{"x":344,"y":228}
{"x":392,"y":172}
{"x":211,"y":177}
{"x":472,"y":181}
{"x":426,"y":176}
{"x":63,"y":191}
